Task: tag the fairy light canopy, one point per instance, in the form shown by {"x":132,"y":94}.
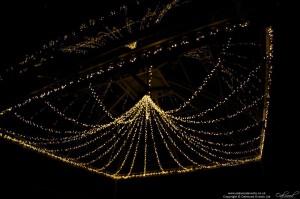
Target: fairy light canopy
{"x":145,"y":97}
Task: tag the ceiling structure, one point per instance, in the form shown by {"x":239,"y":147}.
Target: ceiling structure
{"x":134,"y":93}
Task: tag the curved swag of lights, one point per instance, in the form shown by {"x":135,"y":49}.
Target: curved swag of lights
{"x":196,"y":100}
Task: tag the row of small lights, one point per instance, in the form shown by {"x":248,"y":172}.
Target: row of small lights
{"x":43,"y":55}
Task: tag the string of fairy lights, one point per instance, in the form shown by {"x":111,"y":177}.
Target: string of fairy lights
{"x":68,"y":43}
{"x":145,"y":138}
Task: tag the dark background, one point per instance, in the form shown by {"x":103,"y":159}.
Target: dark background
{"x":25,"y":173}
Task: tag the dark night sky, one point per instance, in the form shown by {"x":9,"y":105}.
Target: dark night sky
{"x":24,"y":172}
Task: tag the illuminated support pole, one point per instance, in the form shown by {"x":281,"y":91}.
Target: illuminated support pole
{"x":269,"y":56}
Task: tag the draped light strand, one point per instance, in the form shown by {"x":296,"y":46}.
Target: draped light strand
{"x":95,"y":95}
{"x":62,"y":114}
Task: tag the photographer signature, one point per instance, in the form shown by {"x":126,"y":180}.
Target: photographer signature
{"x":287,"y":194}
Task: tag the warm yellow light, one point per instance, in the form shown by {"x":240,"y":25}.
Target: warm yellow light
{"x":132,"y":45}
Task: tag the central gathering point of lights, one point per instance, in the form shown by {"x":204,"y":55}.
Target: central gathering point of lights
{"x":206,"y":108}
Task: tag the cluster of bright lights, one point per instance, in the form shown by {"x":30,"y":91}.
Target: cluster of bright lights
{"x":147,"y":140}
{"x":132,"y":45}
